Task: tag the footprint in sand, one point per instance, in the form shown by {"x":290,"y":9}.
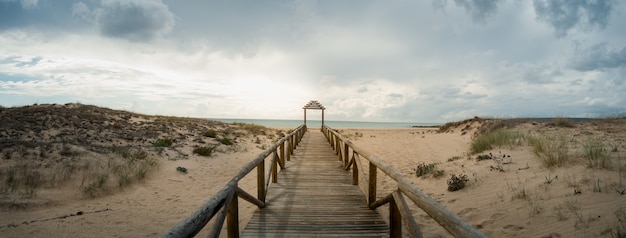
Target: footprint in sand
{"x":496,"y":216}
{"x":513,"y":227}
{"x":466,"y":211}
{"x":552,"y":235}
{"x":492,"y":219}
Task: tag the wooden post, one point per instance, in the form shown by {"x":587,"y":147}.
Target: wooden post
{"x":232,"y":220}
{"x":371,"y":193}
{"x":289,"y":150}
{"x":355,"y":170}
{"x":305,"y":117}
{"x":346,"y":160}
{"x":260,"y":177}
{"x":395,"y":220}
{"x":282,"y":155}
{"x":275,"y":168}
{"x":322,"y":120}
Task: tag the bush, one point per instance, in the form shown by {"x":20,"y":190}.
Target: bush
{"x":226,"y":141}
{"x":181,"y":169}
{"x":210,"y":133}
{"x":563,"y":122}
{"x":483,"y":157}
{"x":163,"y":142}
{"x":596,"y":154}
{"x":423,"y":169}
{"x":499,"y":138}
{"x":204,"y":150}
{"x":553,"y":151}
{"x":457,"y":182}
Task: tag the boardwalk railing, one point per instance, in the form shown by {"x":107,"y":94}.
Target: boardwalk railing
{"x":398,"y":209}
{"x":226,"y":199}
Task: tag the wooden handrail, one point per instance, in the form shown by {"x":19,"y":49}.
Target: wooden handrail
{"x":398,"y":208}
{"x":226,"y":198}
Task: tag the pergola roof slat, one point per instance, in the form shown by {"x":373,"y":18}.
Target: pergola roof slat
{"x":314,"y":105}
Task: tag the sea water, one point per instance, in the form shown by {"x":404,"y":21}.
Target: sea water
{"x":331,"y":124}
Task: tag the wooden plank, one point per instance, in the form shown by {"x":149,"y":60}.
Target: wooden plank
{"x":314,"y":197}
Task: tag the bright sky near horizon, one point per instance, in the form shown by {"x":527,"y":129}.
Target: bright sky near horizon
{"x":412,"y":61}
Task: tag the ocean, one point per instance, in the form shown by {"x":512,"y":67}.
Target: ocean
{"x":331,"y":124}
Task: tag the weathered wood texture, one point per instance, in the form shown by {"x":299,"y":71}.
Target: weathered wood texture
{"x":314,"y":197}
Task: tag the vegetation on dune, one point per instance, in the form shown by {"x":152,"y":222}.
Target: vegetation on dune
{"x":252,"y":128}
{"x":95,"y":150}
{"x":552,"y":150}
{"x":163,"y":142}
{"x":499,"y":137}
{"x":204,"y":150}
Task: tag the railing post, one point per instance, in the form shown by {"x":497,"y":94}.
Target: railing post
{"x":346,"y":147}
{"x":232,"y":220}
{"x":395,"y":220}
{"x":260,"y":171}
{"x":289,"y":150}
{"x":355,"y":170}
{"x":282,"y":154}
{"x":371,"y":193}
{"x":275,"y":168}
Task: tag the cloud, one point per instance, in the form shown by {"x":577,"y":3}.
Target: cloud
{"x":26,"y":4}
{"x":599,"y":57}
{"x":480,"y":10}
{"x":134,"y":20}
{"x":566,"y":15}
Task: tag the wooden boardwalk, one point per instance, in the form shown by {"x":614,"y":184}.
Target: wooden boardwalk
{"x":314,"y":197}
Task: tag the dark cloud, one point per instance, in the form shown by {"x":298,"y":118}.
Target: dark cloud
{"x":480,"y":10}
{"x":42,"y":15}
{"x":565,"y":15}
{"x":26,"y":4}
{"x":136,"y":20}
{"x":599,"y":57}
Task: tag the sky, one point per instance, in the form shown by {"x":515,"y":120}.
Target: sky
{"x":387,"y":61}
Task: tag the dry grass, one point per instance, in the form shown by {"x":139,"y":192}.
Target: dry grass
{"x":91,"y":149}
{"x":552,"y":150}
{"x":499,"y":137}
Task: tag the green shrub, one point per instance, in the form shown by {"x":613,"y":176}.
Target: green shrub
{"x":163,"y":142}
{"x":210,"y":133}
{"x":226,"y":141}
{"x":457,"y":182}
{"x":204,"y":150}
{"x":181,"y":169}
{"x":563,"y":122}
{"x":500,"y":137}
{"x":483,"y":157}
{"x":423,"y":169}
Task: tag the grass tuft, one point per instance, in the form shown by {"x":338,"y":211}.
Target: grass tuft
{"x":210,"y":133}
{"x":553,"y":151}
{"x":163,"y":142}
{"x":596,"y":154}
{"x":499,"y":137}
{"x":204,"y":150}
{"x":226,"y":141}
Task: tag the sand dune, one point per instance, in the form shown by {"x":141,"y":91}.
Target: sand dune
{"x":514,"y":200}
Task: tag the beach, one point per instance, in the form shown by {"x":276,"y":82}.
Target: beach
{"x":518,"y":196}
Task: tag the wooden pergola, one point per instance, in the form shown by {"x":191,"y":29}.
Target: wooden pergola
{"x":313,"y":104}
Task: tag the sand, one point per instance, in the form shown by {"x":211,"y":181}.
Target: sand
{"x":515,"y":202}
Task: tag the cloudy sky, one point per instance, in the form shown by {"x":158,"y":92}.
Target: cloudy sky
{"x":406,"y":61}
